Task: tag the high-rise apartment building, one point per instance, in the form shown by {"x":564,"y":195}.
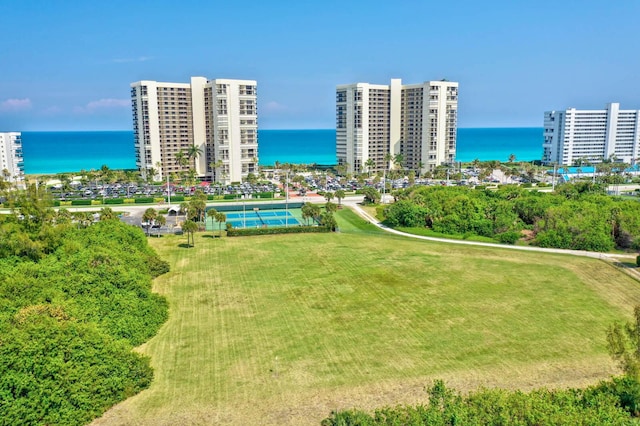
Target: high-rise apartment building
{"x":377,"y":122}
{"x":11,"y":160}
{"x":218,"y":117}
{"x":591,"y":135}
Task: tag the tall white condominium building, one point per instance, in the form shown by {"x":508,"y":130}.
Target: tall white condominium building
{"x":11,"y":161}
{"x":374,"y":122}
{"x":591,"y":135}
{"x":219,"y":117}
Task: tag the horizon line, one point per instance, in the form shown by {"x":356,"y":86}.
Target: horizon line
{"x":270,"y":129}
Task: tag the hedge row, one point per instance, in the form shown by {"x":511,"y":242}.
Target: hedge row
{"x":233,"y":232}
{"x":81,"y":202}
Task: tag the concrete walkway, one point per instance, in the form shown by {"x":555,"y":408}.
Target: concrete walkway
{"x":611,"y":258}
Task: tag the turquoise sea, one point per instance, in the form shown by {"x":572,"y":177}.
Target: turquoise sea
{"x":57,"y":152}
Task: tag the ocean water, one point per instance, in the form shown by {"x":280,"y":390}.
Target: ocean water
{"x":57,"y":152}
{"x":499,"y":143}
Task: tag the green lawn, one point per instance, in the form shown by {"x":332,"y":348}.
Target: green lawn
{"x":283,"y":329}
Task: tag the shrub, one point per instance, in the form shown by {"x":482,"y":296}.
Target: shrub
{"x":145,"y":200}
{"x":638,"y":261}
{"x":114,"y":201}
{"x":176,"y":198}
{"x":158,"y":200}
{"x":81,"y":202}
{"x":234,"y":232}
{"x":509,"y":237}
{"x":229,"y":196}
{"x":129,"y":200}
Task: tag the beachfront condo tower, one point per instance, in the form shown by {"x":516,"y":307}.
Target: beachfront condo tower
{"x":209,"y":126}
{"x":11,"y":161}
{"x":590,"y":136}
{"x":377,"y":125}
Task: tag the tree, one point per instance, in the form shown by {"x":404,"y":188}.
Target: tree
{"x":161,"y":220}
{"x":388,"y":158}
{"x":328,"y":196}
{"x":330,"y":207}
{"x":624,"y":344}
{"x":340,"y":195}
{"x":213,"y":214}
{"x":193,"y":152}
{"x":371,"y":195}
{"x":398,"y":160}
{"x":148,"y":217}
{"x":328,"y":221}
{"x":189,"y":227}
{"x":310,"y":211}
{"x":370,"y":165}
{"x":220,"y":218}
{"x":512,"y":158}
{"x":107,"y":213}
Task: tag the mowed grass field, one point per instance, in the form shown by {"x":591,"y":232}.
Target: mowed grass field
{"x":283,"y":329}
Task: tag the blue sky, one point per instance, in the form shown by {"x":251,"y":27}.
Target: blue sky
{"x":67,"y":65}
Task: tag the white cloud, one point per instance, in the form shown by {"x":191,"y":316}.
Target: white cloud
{"x":138,"y":59}
{"x":103,"y":104}
{"x":15,"y":104}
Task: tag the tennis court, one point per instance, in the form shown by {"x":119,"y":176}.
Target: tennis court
{"x":259,"y":217}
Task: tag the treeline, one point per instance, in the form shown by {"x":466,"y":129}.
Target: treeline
{"x":577,"y":216}
{"x":604,"y":404}
{"x":75,"y":298}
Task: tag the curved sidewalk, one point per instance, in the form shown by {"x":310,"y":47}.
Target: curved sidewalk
{"x":373,"y":220}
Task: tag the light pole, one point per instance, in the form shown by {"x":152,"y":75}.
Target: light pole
{"x":384,"y":184}
{"x":168,"y":190}
{"x":553,"y":178}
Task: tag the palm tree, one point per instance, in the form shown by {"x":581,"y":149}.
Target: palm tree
{"x":181,"y":158}
{"x":149,"y":216}
{"x":420,"y":167}
{"x":310,"y":211}
{"x":398,"y":160}
{"x":189,"y":227}
{"x":193,"y":152}
{"x":220,"y":218}
{"x":328,"y":195}
{"x":107,"y":213}
{"x":340,"y":195}
{"x":370,"y":165}
{"x":512,"y":158}
{"x":213,"y":214}
{"x":387,"y":159}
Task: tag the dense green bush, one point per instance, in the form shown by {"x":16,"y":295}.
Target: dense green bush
{"x":229,"y":196}
{"x":74,"y":303}
{"x":177,"y":198}
{"x":237,"y":232}
{"x":579,"y":216}
{"x":638,"y":261}
{"x":80,"y":202}
{"x":114,"y":201}
{"x":593,"y":406}
{"x":263,"y":195}
{"x":56,"y":370}
{"x":509,"y":237}
{"x":144,"y":200}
